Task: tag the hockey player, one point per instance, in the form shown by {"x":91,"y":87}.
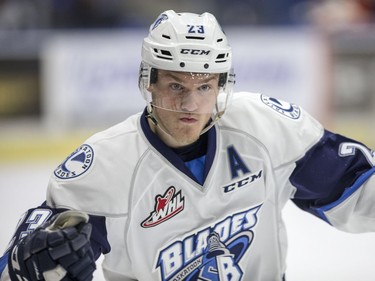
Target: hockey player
{"x":192,"y":188}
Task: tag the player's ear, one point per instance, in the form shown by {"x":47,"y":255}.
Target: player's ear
{"x":151,"y":88}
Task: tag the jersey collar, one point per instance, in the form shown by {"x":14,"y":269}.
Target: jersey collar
{"x":173,"y":157}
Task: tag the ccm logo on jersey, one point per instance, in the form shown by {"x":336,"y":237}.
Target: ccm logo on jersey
{"x":166,"y":207}
{"x":241,"y":183}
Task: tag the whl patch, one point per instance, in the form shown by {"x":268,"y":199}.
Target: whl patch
{"x":166,"y":207}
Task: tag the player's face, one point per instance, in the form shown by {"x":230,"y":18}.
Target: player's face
{"x":183,"y":103}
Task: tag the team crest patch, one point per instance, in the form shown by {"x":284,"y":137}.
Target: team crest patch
{"x":287,"y":109}
{"x":166,"y":207}
{"x":162,"y":18}
{"x":76,"y":164}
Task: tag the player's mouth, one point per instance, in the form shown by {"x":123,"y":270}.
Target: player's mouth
{"x":188,"y":120}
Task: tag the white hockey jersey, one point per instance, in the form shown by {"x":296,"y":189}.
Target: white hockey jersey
{"x":155,"y":221}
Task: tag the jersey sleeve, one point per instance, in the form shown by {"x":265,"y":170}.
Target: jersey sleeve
{"x":334,"y":181}
{"x":96,"y":179}
{"x":324,"y":173}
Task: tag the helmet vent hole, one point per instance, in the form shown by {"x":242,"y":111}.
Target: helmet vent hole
{"x":163,"y":54}
{"x":221,"y":58}
{"x":219,"y":40}
{"x":166,"y":36}
{"x":194,"y":37}
{"x":166,"y":53}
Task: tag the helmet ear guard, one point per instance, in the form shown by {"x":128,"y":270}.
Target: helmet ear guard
{"x":144,"y":81}
{"x":153,"y":75}
{"x":223,"y":79}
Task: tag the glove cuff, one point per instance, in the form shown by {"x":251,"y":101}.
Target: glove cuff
{"x":16,"y":267}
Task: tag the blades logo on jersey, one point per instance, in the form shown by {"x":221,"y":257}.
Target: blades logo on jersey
{"x":166,"y":207}
{"x":76,"y":164}
{"x":213,"y":253}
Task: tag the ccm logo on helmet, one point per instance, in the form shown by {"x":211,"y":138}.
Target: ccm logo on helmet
{"x":195,"y":52}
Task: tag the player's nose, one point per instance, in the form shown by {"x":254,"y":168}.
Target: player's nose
{"x":190,"y":102}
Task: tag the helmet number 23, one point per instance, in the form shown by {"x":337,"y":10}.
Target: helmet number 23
{"x":195,"y":28}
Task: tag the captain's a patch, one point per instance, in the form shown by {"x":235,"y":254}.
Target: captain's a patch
{"x":285,"y":108}
{"x":76,"y":164}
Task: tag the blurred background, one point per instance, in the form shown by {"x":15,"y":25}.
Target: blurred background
{"x":69,"y":68}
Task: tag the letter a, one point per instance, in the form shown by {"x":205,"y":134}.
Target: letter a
{"x":235,"y":162}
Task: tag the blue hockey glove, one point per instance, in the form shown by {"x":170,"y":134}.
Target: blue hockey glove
{"x":58,"y":250}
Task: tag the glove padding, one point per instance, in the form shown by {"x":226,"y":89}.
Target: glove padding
{"x":58,"y":250}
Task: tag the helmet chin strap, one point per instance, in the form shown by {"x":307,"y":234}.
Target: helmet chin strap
{"x":213,"y":121}
{"x":150,"y":115}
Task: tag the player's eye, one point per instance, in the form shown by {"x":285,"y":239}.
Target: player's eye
{"x":205,"y":88}
{"x":176,"y":87}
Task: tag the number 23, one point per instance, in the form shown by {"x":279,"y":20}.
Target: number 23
{"x":196,"y":28}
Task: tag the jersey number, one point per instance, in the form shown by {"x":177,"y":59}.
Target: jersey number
{"x":348,"y":148}
{"x":34,"y":220}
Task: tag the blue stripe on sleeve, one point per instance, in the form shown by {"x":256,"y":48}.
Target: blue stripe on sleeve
{"x":347,"y":193}
{"x":3,"y":262}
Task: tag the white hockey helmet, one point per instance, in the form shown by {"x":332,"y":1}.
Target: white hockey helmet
{"x":187,"y":42}
{"x":190,"y":43}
